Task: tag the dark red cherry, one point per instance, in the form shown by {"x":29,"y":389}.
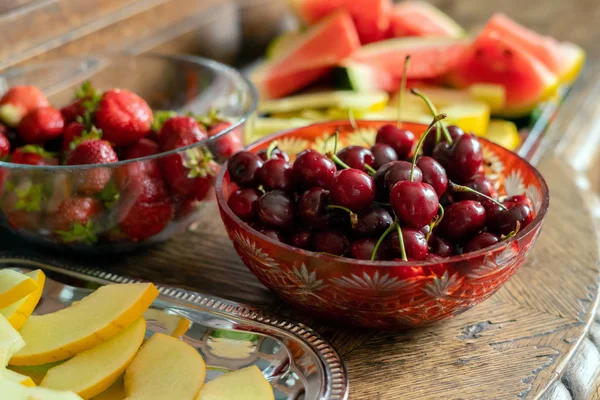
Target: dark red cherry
{"x":415,"y":244}
{"x":373,"y":221}
{"x":352,"y":188}
{"x":273,"y":234}
{"x":312,"y":169}
{"x":276,"y":174}
{"x":312,"y":207}
{"x":244,"y":203}
{"x":481,"y":241}
{"x":331,"y":242}
{"x":481,"y":184}
{"x":243,"y":168}
{"x":430,"y":140}
{"x":276,"y":209}
{"x":401,"y":140}
{"x":440,"y":246}
{"x":502,"y":222}
{"x":275,"y":153}
{"x":414,"y":203}
{"x":466,"y":159}
{"x":356,"y":157}
{"x":433,"y":174}
{"x":302,"y":239}
{"x":383,"y":154}
{"x":462,"y":219}
{"x":400,"y":171}
{"x":382,"y":192}
{"x":362,"y":249}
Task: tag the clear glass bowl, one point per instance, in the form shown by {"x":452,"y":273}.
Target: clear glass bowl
{"x":385,"y":294}
{"x":181,"y":83}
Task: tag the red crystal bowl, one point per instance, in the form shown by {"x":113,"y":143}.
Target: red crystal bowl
{"x":385,"y":294}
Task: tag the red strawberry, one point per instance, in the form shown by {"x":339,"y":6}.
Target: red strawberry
{"x":19,"y":101}
{"x":142,"y":148}
{"x":92,"y":152}
{"x":72,"y":111}
{"x":227,"y":145}
{"x":75,"y":133}
{"x":41,"y":125}
{"x":4,"y":146}
{"x":33,"y":155}
{"x":123,"y":117}
{"x":74,"y":219}
{"x":139,"y":170}
{"x":179,"y":132}
{"x":87,"y":101}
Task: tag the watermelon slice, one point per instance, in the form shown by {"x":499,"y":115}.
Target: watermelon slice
{"x":430,"y":57}
{"x":419,"y":18}
{"x":363,"y":78}
{"x":311,"y":56}
{"x":370,"y":16}
{"x":564,"y":59}
{"x":495,"y":59}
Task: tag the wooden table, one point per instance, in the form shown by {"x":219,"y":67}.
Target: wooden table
{"x":536,"y":338}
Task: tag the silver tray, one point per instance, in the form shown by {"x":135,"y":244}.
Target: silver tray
{"x":298,"y":363}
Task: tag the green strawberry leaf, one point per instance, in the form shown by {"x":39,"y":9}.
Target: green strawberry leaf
{"x":211,"y":118}
{"x":32,"y":148}
{"x":79,"y":233}
{"x":9,"y":186}
{"x":160,"y":117}
{"x":89,"y":101}
{"x":29,"y":198}
{"x":198,"y":160}
{"x":92,"y":133}
{"x":109,"y":195}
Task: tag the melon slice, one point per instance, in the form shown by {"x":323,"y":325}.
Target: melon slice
{"x":15,"y":391}
{"x":494,"y":59}
{"x":371,"y":17}
{"x":14,"y":286}
{"x":341,"y":99}
{"x":115,"y":392}
{"x":165,"y":368}
{"x":504,"y":133}
{"x":92,"y":371}
{"x":430,"y":57}
{"x":420,"y":18}
{"x":96,"y":318}
{"x":10,"y":341}
{"x":35,"y":372}
{"x":247,"y":383}
{"x":311,"y":56}
{"x":18,"y":312}
{"x":17,"y":378}
{"x":564,"y":59}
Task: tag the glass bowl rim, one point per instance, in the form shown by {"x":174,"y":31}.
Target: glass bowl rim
{"x":537,"y":221}
{"x":199,"y":61}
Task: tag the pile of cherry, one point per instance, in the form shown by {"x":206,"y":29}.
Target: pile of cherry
{"x":398,"y":200}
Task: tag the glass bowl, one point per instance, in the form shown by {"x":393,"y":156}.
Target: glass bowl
{"x":385,"y":294}
{"x":31,"y":197}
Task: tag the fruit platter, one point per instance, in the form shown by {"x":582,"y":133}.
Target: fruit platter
{"x":106,"y":337}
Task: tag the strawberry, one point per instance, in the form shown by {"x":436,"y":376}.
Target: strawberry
{"x":74,"y":219}
{"x":4,"y":146}
{"x":75,"y":133}
{"x":87,"y":101}
{"x":33,"y":155}
{"x":142,"y":148}
{"x":41,"y":125}
{"x":19,"y":101}
{"x":139,"y":170}
{"x":179,"y":132}
{"x":92,"y":152}
{"x":72,"y":111}
{"x":225,"y":146}
{"x":23,"y":204}
{"x":123,"y":117}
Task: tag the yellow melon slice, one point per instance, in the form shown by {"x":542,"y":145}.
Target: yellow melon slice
{"x":17,"y":378}
{"x":165,"y":368}
{"x":14,"y":391}
{"x":174,"y":325}
{"x":98,"y":317}
{"x":92,"y":371}
{"x":115,"y":392}
{"x":10,"y":341}
{"x":247,"y":383}
{"x":35,"y":372}
{"x":14,"y":286}
{"x":18,"y":312}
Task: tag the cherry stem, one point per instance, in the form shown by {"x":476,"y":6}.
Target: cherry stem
{"x":335,"y":140}
{"x":402,"y":89}
{"x":380,"y":240}
{"x":459,"y":188}
{"x":370,"y":169}
{"x":433,"y":112}
{"x":436,"y":119}
{"x":512,"y":233}
{"x":272,"y":146}
{"x":337,"y":160}
{"x":435,"y":222}
{"x":401,"y":242}
{"x":353,"y":216}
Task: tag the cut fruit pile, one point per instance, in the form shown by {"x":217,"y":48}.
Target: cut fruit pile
{"x":505,"y":71}
{"x":95,"y":349}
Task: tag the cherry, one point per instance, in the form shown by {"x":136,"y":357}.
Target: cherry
{"x":373,"y":221}
{"x":312,"y":169}
{"x":481,"y":241}
{"x":481,"y":184}
{"x":362,"y":249}
{"x":433,"y":174}
{"x":415,"y":244}
{"x":273,"y":234}
{"x":382,"y":192}
{"x":400,"y":171}
{"x":430,"y":140}
{"x":414,"y":203}
{"x":462,"y":219}
{"x":276,"y":209}
{"x":244,"y":203}
{"x":275,"y":153}
{"x":331,"y":242}
{"x":302,"y":239}
{"x":466,"y":159}
{"x":276,"y":174}
{"x":440,"y":246}
{"x":356,"y":157}
{"x":243,"y":168}
{"x":401,"y":140}
{"x":383,"y":154}
{"x":353,"y":189}
{"x":503,"y":222}
{"x":313,"y":211}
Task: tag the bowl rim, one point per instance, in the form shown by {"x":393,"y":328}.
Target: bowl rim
{"x":200,"y":61}
{"x":537,"y":221}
